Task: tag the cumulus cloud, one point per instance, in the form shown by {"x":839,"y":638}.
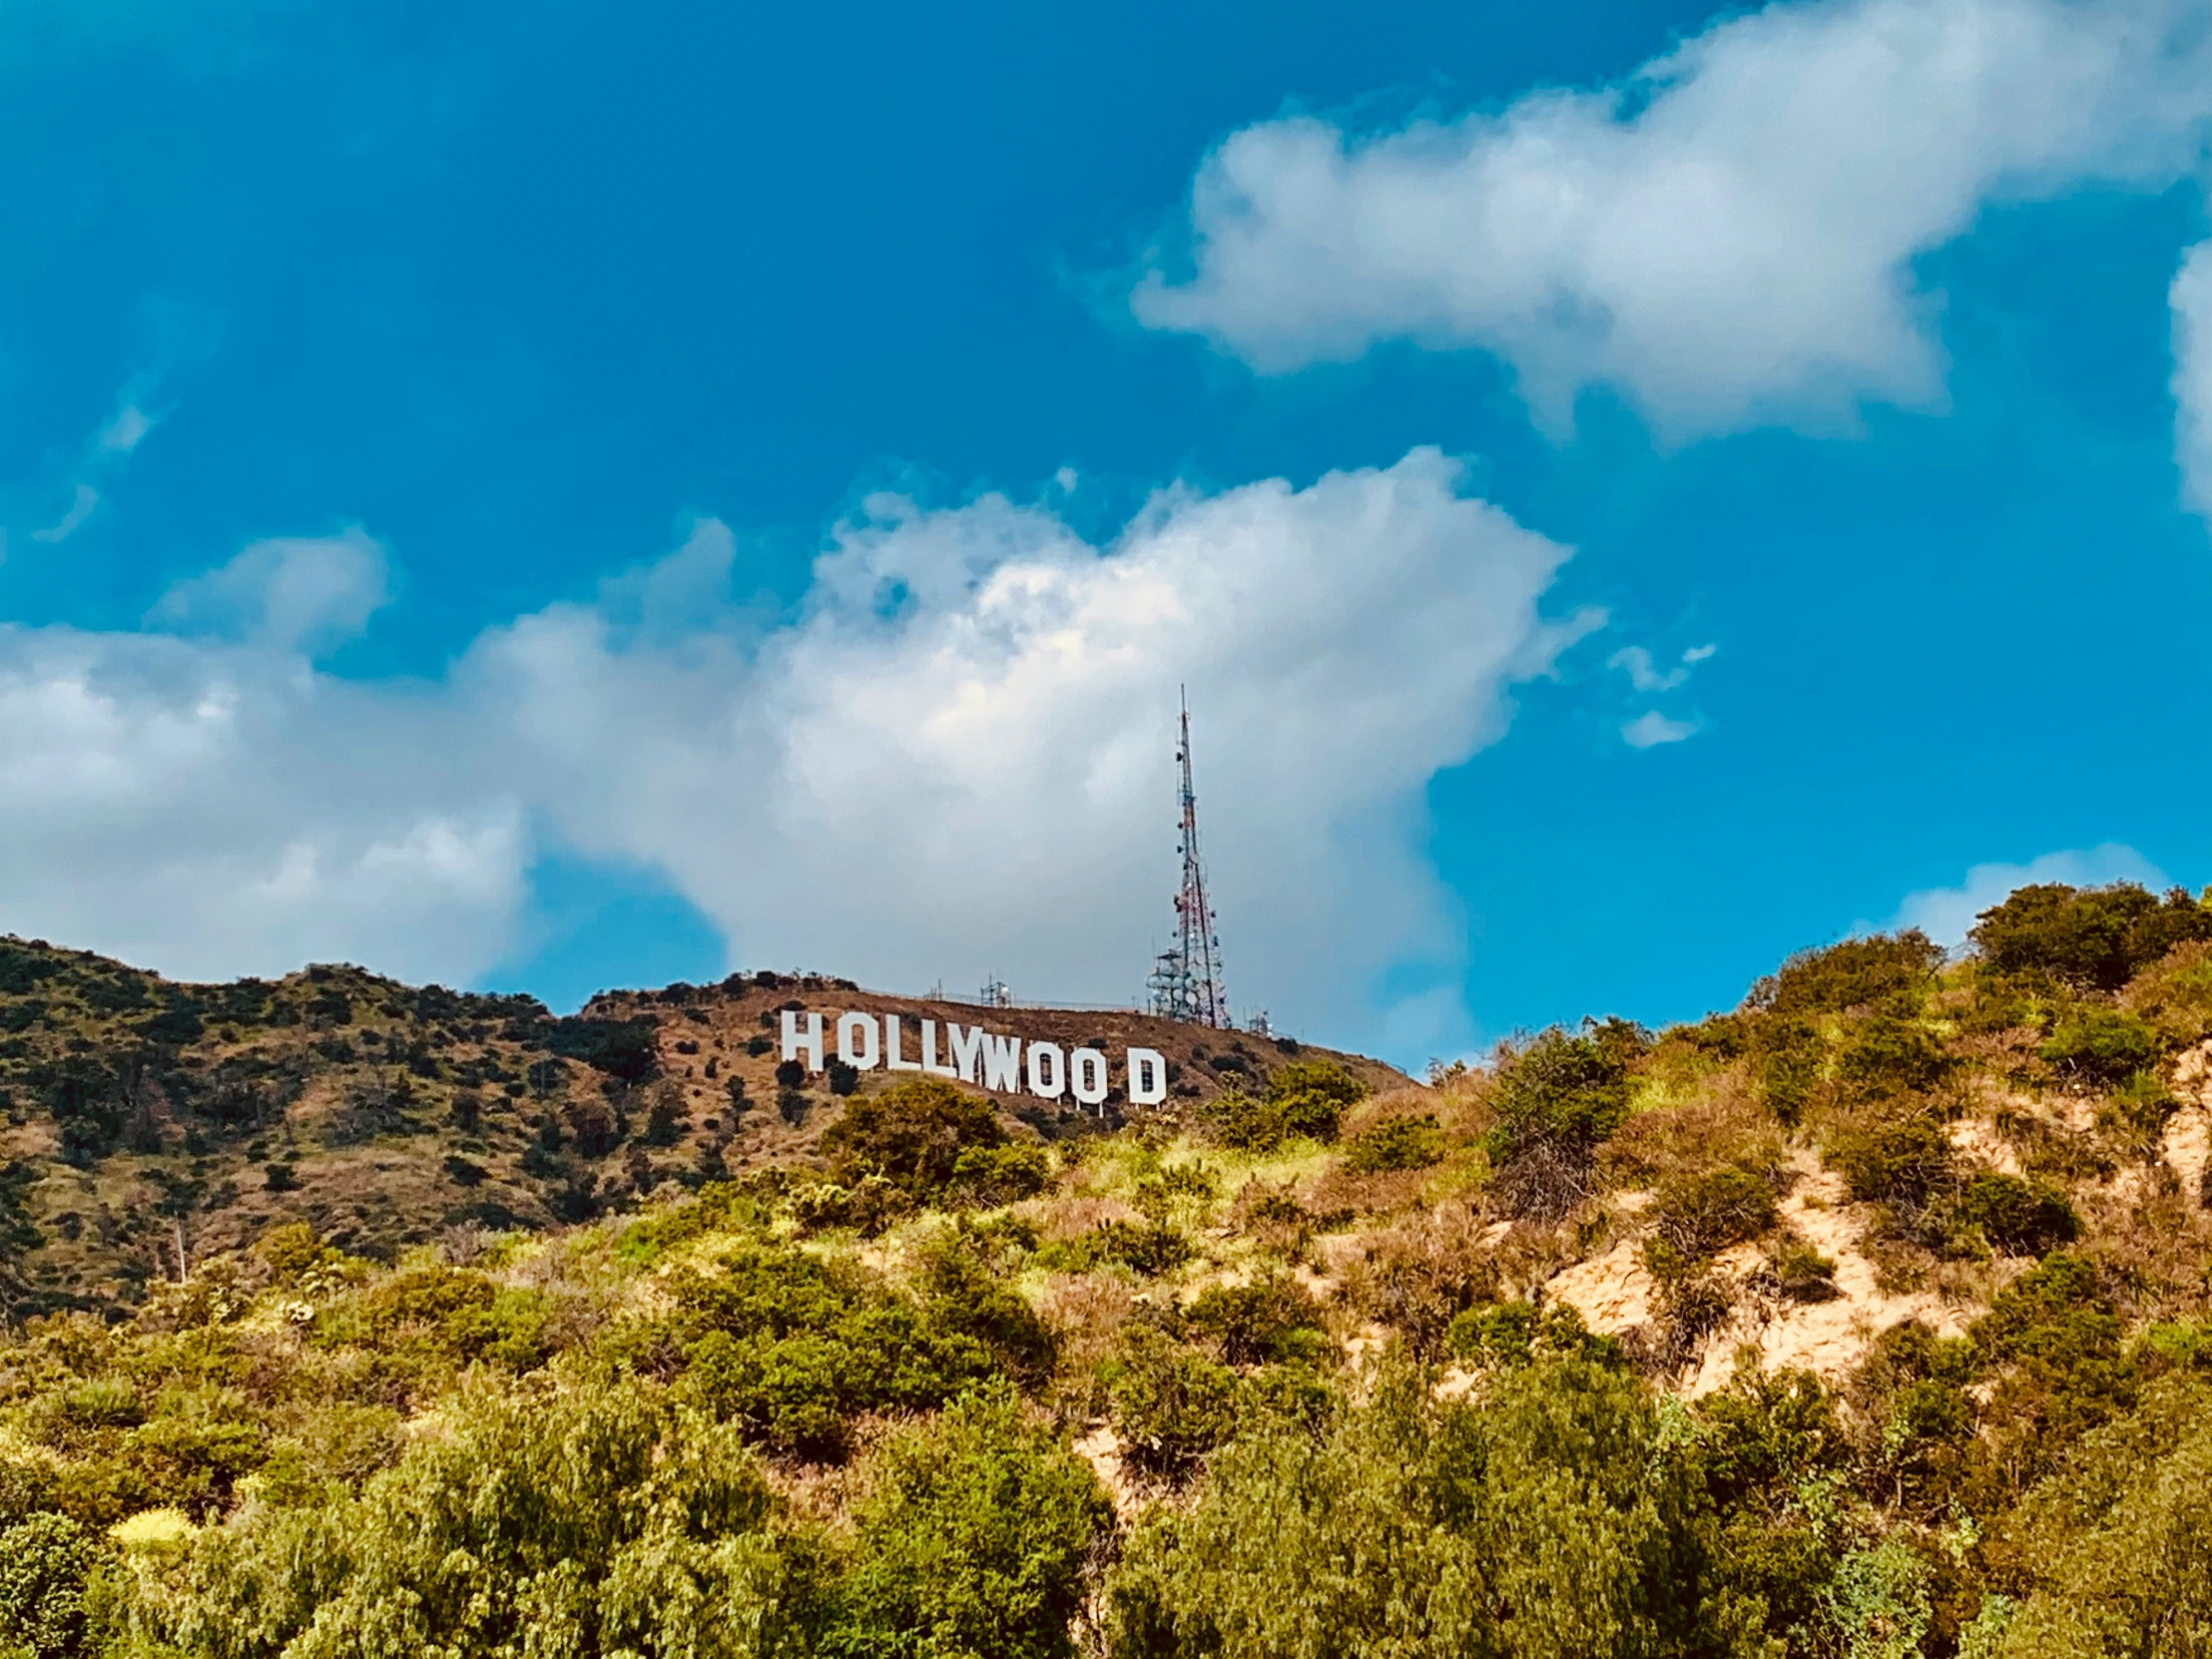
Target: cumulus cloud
{"x":287,"y":594}
{"x":1726,"y":238}
{"x":214,"y":808}
{"x":2191,"y":299}
{"x":1946,"y":914}
{"x":957,"y":760}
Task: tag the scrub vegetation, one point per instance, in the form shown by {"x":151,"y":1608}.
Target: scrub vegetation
{"x":1873,"y":1318}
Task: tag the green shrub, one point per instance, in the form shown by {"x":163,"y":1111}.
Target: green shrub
{"x":2087,"y":937}
{"x":1151,"y":1248}
{"x":1883,"y":1056}
{"x":664,"y":1118}
{"x":1544,"y":1518}
{"x":966,"y":1297}
{"x":1312,"y":1095}
{"x":1304,"y":1097}
{"x":450,"y":1314}
{"x":792,"y":1347}
{"x":1802,"y":1273}
{"x":1904,"y":1161}
{"x":912,"y":1134}
{"x":1705,"y":1210}
{"x":2054,"y":1339}
{"x":1245,"y":1121}
{"x":972,"y":1540}
{"x":587,"y":1518}
{"x":1270,"y":1320}
{"x":1788,"y":1055}
{"x":1519,"y":1334}
{"x":2015,"y":1216}
{"x":994,"y":1175}
{"x":1171,"y":1407}
{"x":1764,"y":1434}
{"x":2113,"y":1548}
{"x":45,"y":1563}
{"x":2101,"y":1044}
{"x":1399,"y":1143}
{"x":1888,"y":973}
{"x":2174,"y":994}
{"x":1553,"y":1102}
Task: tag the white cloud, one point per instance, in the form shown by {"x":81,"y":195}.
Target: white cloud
{"x":126,"y":432}
{"x":81,"y":507}
{"x":1647,"y":677}
{"x":213,"y":809}
{"x":1947,"y":914}
{"x":957,"y":760}
{"x":1651,"y":728}
{"x":1727,"y":237}
{"x":304,"y":594}
{"x":2191,"y":299}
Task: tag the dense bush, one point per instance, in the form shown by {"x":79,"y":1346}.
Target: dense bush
{"x":1882,"y":1057}
{"x":1153,"y":1247}
{"x":1396,"y":1143}
{"x":1902,"y":1161}
{"x":45,"y":1563}
{"x":1520,"y":1334}
{"x":1788,"y":1055}
{"x":1705,"y":1210}
{"x":913,"y":1135}
{"x":2115,"y":1551}
{"x":1553,"y":1102}
{"x":1266,"y":1320}
{"x":1886,"y":972}
{"x":2057,"y":1329}
{"x":1171,"y":1407}
{"x":989,"y":1175}
{"x":1311,"y":1095}
{"x":972,"y":1540}
{"x":2087,"y":937}
{"x":1302,"y":1098}
{"x":2015,"y":1215}
{"x":791,"y":1348}
{"x":589,"y":1517}
{"x":2101,"y":1044}
{"x":1545,"y":1518}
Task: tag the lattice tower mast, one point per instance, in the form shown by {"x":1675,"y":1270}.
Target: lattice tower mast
{"x":1186,"y":982}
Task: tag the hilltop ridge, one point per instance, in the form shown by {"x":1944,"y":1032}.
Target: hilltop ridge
{"x":140,"y":1116}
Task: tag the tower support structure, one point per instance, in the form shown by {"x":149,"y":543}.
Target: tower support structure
{"x":1186,"y":979}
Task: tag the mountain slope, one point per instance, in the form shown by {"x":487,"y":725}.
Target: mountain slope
{"x":146,"y":1122}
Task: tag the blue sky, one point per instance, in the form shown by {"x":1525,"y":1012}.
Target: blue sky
{"x":569,"y":496}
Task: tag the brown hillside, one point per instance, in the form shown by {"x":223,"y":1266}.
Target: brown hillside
{"x":143,"y":1119}
{"x":712,"y":1035}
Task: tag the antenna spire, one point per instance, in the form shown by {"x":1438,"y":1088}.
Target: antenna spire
{"x":1186,"y":981}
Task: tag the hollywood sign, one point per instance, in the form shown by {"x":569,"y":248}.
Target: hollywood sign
{"x":974,"y":1055}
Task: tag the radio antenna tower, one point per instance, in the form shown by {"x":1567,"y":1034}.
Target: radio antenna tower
{"x":1185,"y":979}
